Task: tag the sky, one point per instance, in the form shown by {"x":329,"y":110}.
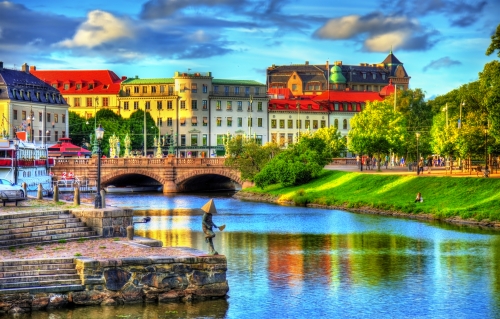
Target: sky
{"x":442,"y":43}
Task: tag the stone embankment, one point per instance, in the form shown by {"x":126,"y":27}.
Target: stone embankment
{"x":369,"y":210}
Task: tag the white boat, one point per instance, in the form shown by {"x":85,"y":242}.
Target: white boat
{"x":133,"y":189}
{"x":26,"y":163}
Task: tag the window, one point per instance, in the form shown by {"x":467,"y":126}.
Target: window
{"x":56,"y":118}
{"x":282,"y":139}
{"x":259,"y":106}
{"x":144,"y":89}
{"x":219,"y":121}
{"x":54,"y":85}
{"x":125,"y":105}
{"x":159,"y":122}
{"x":364,"y":75}
{"x":205,"y":88}
{"x":290,"y":139}
{"x":23,"y":115}
{"x":78,"y":86}
{"x":91,"y":86}
{"x":169,"y":121}
{"x":204,"y":137}
{"x":205,"y":121}
{"x":237,"y":90}
{"x":40,"y":116}
{"x":63,"y":134}
{"x":136,"y":105}
{"x":183,"y":121}
{"x":169,"y":105}
{"x":105,"y":101}
{"x":383,"y":76}
{"x":256,"y":91}
{"x":247,"y":90}
{"x":183,"y":139}
{"x":127,"y":91}
{"x":273,"y":123}
{"x":250,"y":122}
{"x":194,"y":104}
{"x":170,"y":90}
{"x":183,"y":105}
{"x":336,"y":123}
{"x":308,"y":124}
{"x":162,"y":88}
{"x":240,"y":106}
{"x":216,"y":89}
{"x":48,"y":136}
{"x":294,"y":87}
{"x":344,"y":125}
{"x":66,"y":86}
{"x":194,"y":121}
{"x":273,"y":138}
{"x":218,"y":105}
{"x":76,"y":101}
{"x":258,"y":139}
{"x":315,"y":124}
{"x":159,"y":105}
{"x":290,"y":124}
{"x":220,"y":139}
{"x":194,"y":88}
{"x":229,"y":121}
{"x":64,"y":118}
{"x":229,"y":105}
{"x":336,"y":106}
{"x":240,"y":122}
{"x":299,"y":124}
{"x":136,"y":89}
{"x":39,"y":135}
{"x":259,"y":122}
{"x":374,"y":76}
{"x":148,"y":105}
{"x":89,"y":101}
{"x":205,"y":104}
{"x":194,"y":139}
{"x":323,"y":123}
{"x":282,"y":124}
{"x":226,"y":90}
{"x":153,"y":89}
{"x":48,"y":117}
{"x":56,"y":135}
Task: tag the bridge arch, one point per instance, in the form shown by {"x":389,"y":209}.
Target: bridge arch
{"x":235,"y":176}
{"x":107,"y":177}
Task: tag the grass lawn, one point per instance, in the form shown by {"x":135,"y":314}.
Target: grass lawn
{"x":444,"y":197}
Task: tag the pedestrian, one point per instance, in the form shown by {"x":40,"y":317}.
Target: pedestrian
{"x":420,"y":168}
{"x":357,"y":161}
{"x":207,"y":225}
{"x":429,"y":164}
{"x":386,"y":162}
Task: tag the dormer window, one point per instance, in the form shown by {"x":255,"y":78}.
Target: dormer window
{"x":54,"y":85}
{"x":374,"y":76}
{"x":383,"y":76}
{"x":91,"y":86}
{"x":78,"y":86}
{"x":66,"y":86}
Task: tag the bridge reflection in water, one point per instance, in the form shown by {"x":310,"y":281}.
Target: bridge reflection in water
{"x":173,"y":174}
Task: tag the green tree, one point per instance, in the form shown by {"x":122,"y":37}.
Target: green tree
{"x":335,"y":144}
{"x":377,"y":130}
{"x":79,"y":130}
{"x":495,"y":43}
{"x":135,"y":129}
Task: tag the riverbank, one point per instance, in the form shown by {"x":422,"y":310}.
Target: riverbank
{"x":471,"y":201}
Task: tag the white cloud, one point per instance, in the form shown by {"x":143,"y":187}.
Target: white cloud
{"x":380,"y":43}
{"x":100,"y":27}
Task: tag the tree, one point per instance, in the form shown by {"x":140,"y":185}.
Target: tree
{"x":489,"y":90}
{"x":333,"y":140}
{"x":495,"y":43}
{"x":136,"y":130}
{"x":377,"y":130}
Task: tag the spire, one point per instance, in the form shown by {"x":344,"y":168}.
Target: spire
{"x":390,"y":52}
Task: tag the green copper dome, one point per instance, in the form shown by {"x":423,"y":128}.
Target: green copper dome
{"x":336,"y":75}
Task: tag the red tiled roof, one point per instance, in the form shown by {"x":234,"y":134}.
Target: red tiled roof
{"x":104,"y":81}
{"x":388,"y":89}
{"x":348,"y":96}
{"x":65,"y":148}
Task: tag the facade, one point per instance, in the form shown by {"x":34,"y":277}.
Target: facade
{"x":308,"y":79}
{"x":198,"y":110}
{"x":85,"y":91}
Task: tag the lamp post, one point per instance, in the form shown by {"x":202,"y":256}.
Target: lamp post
{"x":16,"y":168}
{"x":417,"y":135}
{"x":31,"y":119}
{"x":95,"y":147}
{"x":485,"y":150}
{"x":99,"y":133}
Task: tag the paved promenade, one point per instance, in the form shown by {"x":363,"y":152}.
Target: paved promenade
{"x":435,"y":171}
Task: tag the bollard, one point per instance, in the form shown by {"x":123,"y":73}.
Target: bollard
{"x":103,"y":198}
{"x":39,"y":194}
{"x":25,"y":187}
{"x":76,"y":196}
{"x":56,"y":193}
{"x":130,"y":232}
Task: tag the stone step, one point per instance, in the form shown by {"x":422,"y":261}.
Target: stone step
{"x":27,"y":229}
{"x":37,"y":272}
{"x":44,"y":233}
{"x":41,"y":223}
{"x":48,"y":239}
{"x":39,"y":267}
{"x":35,"y":290}
{"x":36,"y":261}
{"x":37,"y":279}
{"x":41,"y":283}
{"x":30,"y":216}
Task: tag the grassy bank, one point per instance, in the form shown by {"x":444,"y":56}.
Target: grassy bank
{"x":444,"y":197}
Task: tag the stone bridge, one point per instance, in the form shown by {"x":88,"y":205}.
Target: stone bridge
{"x":174,"y":174}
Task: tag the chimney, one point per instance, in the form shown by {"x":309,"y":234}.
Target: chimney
{"x":25,"y":68}
{"x":124,"y":78}
{"x":307,"y":62}
{"x":32,"y":68}
{"x":327,"y":64}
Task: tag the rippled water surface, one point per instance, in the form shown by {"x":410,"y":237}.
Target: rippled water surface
{"x":295,"y":262}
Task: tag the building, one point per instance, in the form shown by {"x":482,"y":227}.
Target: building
{"x":85,"y":91}
{"x":29,"y":104}
{"x":308,"y":79}
{"x":198,"y":110}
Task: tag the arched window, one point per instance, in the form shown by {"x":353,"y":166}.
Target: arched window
{"x":336,"y":123}
{"x":344,"y":126}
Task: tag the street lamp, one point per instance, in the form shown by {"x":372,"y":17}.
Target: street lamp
{"x":31,"y":119}
{"x":298,"y":120}
{"x":417,"y":135}
{"x":99,"y":133}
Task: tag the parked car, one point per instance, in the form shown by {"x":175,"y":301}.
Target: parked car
{"x":10,"y":191}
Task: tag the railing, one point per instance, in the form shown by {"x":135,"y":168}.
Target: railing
{"x":140,"y":161}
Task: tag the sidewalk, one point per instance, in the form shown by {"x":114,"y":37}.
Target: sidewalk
{"x":435,"y":171}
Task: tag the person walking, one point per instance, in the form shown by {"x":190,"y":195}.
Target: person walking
{"x":420,"y":167}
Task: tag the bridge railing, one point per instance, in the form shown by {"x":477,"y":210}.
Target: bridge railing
{"x":140,"y":161}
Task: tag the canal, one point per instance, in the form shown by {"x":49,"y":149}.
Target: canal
{"x":296,"y":262}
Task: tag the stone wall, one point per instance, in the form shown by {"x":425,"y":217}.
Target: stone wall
{"x":107,"y":222}
{"x":131,"y":280}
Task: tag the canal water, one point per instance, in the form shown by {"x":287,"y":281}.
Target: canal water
{"x":296,"y":262}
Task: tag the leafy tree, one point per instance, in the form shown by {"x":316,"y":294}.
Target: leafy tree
{"x":135,"y":130}
{"x":495,"y":43}
{"x":79,"y":131}
{"x":489,"y":89}
{"x":377,"y":130}
{"x":333,"y":139}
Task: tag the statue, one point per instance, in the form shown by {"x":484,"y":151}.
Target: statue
{"x":207,"y":224}
{"x":127,"y":146}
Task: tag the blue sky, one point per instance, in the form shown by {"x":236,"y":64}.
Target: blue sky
{"x":442,"y":43}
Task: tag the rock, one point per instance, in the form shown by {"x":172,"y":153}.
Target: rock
{"x":57,"y":301}
{"x":116,"y":278}
{"x":87,"y":298}
{"x":170,"y":296}
{"x":18,"y":310}
{"x":40,"y":302}
{"x":109,"y":302}
{"x":131,"y":293}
